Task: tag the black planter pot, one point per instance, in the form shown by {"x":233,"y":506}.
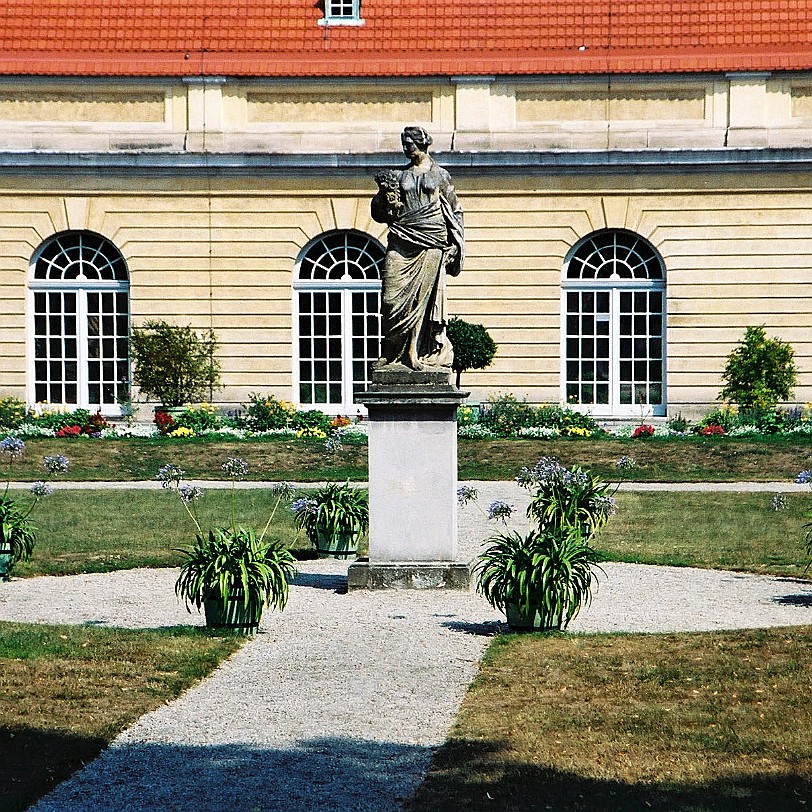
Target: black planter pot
{"x":6,"y":562}
{"x":534,"y":621}
{"x":341,"y":545}
{"x":235,"y":616}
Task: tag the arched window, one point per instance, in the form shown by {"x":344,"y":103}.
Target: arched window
{"x":613,"y":325}
{"x":337,"y":306}
{"x":81,"y":320}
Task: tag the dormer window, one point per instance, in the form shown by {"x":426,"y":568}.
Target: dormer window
{"x":342,"y":12}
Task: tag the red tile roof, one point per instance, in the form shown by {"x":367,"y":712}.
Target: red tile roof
{"x":445,"y":37}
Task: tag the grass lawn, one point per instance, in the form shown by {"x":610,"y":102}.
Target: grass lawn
{"x":717,"y":722}
{"x":711,"y":459}
{"x":101,"y":531}
{"x":67,"y":691}
{"x":737,"y":531}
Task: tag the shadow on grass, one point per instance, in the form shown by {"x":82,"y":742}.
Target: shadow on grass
{"x":482,"y":776}
{"x":33,"y":761}
{"x":320,"y":774}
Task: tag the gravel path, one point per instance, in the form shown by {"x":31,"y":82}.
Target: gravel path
{"x":338,"y":703}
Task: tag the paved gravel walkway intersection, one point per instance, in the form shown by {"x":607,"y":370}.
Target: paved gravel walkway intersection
{"x":338,"y":703}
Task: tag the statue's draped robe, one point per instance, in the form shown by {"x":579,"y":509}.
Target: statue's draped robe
{"x":418,"y":256}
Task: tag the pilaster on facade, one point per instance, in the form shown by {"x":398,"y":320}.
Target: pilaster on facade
{"x":205,"y":119}
{"x":747,"y":110}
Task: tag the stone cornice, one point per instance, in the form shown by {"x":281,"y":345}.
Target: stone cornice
{"x":519,"y":162}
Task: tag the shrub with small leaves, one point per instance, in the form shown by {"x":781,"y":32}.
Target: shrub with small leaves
{"x":473,"y":346}
{"x":759,"y":372}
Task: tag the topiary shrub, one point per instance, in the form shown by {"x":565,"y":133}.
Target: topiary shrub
{"x":473,"y":346}
{"x":174,"y":365}
{"x":760,"y":371}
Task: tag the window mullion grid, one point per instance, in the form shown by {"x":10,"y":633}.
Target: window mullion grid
{"x":82,"y":397}
{"x":347,"y":349}
{"x":614,"y":348}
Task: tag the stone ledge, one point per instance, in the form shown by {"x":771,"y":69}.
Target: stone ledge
{"x":363,"y":574}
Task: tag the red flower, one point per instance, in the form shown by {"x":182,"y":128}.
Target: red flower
{"x":69,"y":431}
{"x":643,"y":431}
{"x":712,"y":429}
{"x":164,"y":422}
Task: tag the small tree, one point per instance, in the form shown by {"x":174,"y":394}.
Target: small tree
{"x":473,"y":346}
{"x":174,"y":365}
{"x":760,"y":371}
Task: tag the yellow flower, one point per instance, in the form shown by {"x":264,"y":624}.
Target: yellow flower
{"x":182,"y":431}
{"x":314,"y":433}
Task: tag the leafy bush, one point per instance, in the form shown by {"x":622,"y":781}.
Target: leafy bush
{"x":265,"y":412}
{"x":725,"y":417}
{"x":333,"y":518}
{"x":473,"y":346}
{"x":174,"y":365}
{"x":198,"y":419}
{"x":541,"y":579}
{"x":678,"y":423}
{"x":311,"y":421}
{"x":231,"y":561}
{"x":760,"y":371}
{"x":59,"y":420}
{"x":13,"y":412}
{"x":505,"y":415}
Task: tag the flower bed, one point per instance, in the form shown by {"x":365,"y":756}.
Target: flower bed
{"x":503,"y":417}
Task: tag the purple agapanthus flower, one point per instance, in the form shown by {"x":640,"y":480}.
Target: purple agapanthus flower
{"x":499,"y":510}
{"x":284,"y":490}
{"x":235,"y":468}
{"x":466,"y":494}
{"x":304,"y":505}
{"x":57,"y":464}
{"x":169,"y":475}
{"x":41,"y":489}
{"x":13,"y":446}
{"x":189,"y":493}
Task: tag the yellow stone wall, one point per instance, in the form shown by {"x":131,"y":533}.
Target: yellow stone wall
{"x":555,"y":113}
{"x":224,"y":257}
{"x":222,"y":254}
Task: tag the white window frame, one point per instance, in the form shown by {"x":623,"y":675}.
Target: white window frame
{"x":342,"y":12}
{"x":81,"y":287}
{"x":346,"y":287}
{"x":614,"y":286}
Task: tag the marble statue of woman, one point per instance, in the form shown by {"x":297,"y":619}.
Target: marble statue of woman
{"x":426,"y":242}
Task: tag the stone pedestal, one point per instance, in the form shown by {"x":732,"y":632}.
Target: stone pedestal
{"x":412,"y":483}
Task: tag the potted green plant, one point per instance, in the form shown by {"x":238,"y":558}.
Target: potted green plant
{"x":174,"y":365}
{"x":231,"y":571}
{"x":17,"y":531}
{"x":333,"y":519}
{"x":542,"y":579}
{"x":539,"y":580}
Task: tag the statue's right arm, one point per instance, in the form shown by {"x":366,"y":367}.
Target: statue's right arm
{"x":379,"y":209}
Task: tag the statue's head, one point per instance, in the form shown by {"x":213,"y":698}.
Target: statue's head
{"x":417,"y":136}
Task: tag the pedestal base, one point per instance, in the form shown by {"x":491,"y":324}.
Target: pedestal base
{"x":364,"y":574}
{"x":412,"y":483}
